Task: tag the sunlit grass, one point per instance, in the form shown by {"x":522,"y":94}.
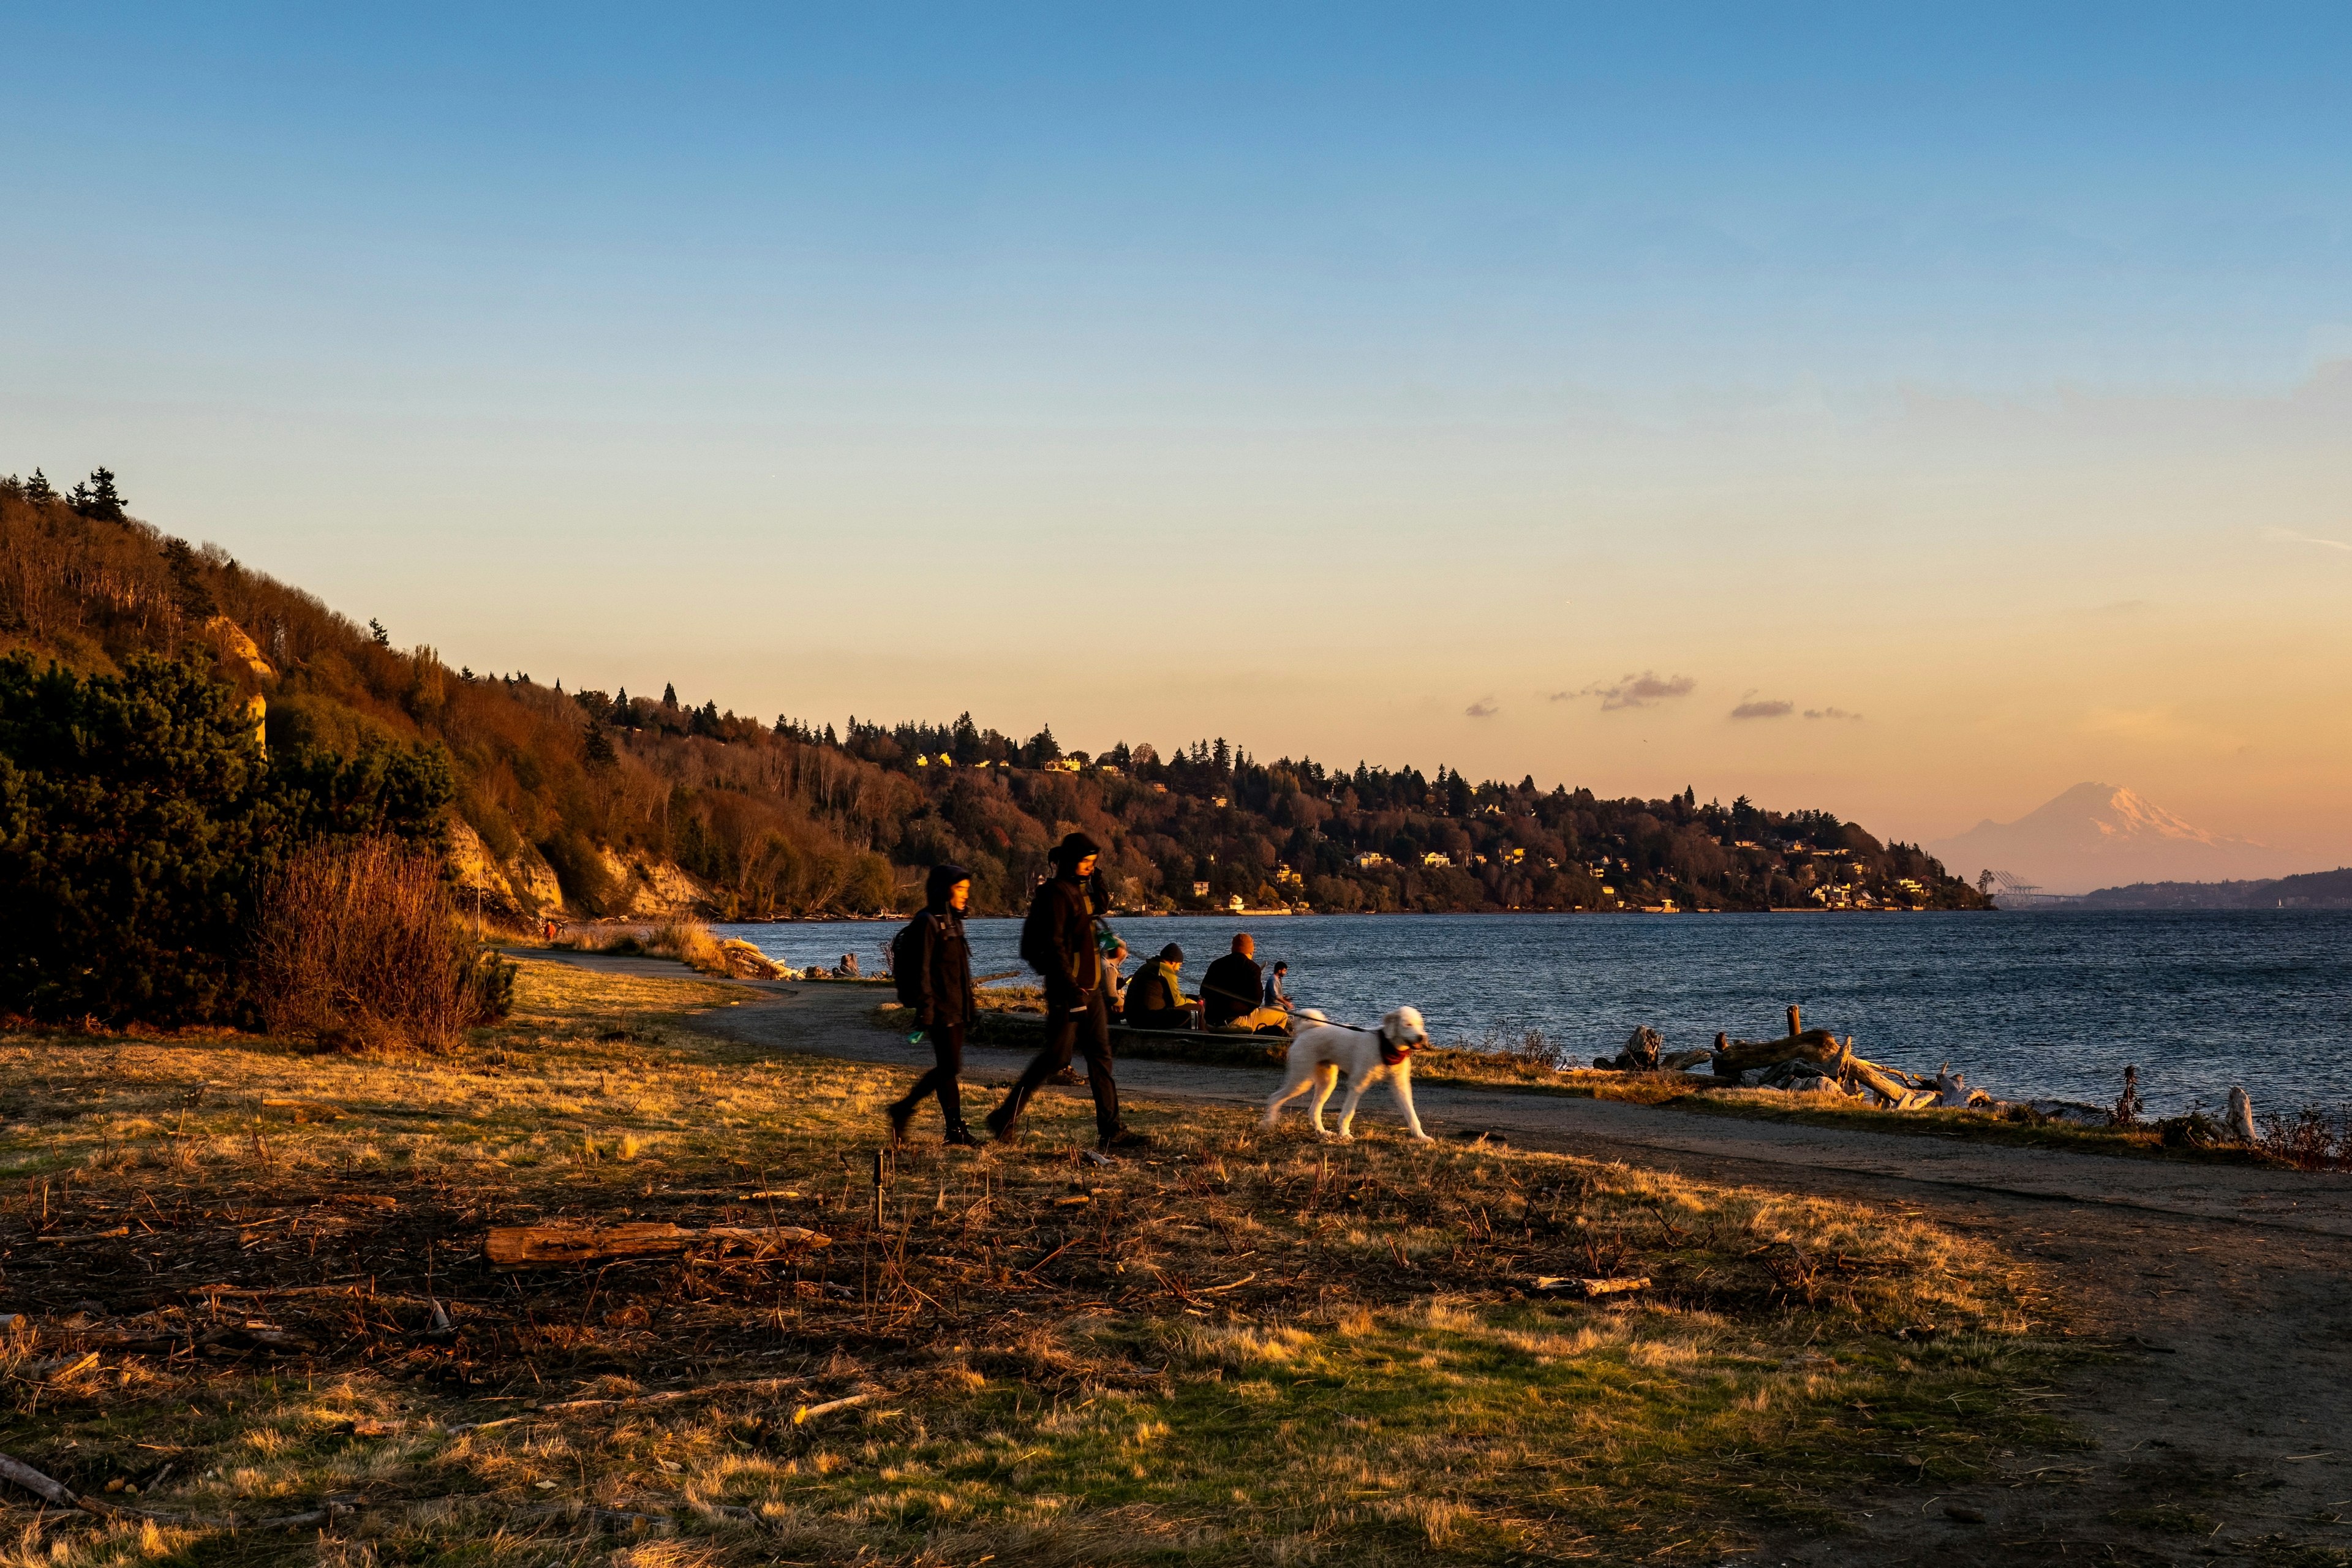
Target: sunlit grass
{"x":1244,"y":1348}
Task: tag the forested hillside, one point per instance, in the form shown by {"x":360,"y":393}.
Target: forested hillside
{"x":611,"y":803}
{"x":2310,"y":890}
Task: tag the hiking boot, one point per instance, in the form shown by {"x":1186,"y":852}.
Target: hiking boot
{"x":960,"y":1136}
{"x":999,"y":1122}
{"x":1065,"y":1075}
{"x":899,"y":1112}
{"x":1125,"y":1137}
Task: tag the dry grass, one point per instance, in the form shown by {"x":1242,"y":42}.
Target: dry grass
{"x":688,"y":940}
{"x":358,"y":943}
{"x":1244,"y":1349}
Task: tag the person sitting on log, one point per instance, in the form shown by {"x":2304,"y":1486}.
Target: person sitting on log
{"x":1231,"y":989}
{"x":1155,"y":999}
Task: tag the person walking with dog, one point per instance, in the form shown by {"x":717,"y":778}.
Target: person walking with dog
{"x":932,"y":964}
{"x":1058,"y":941}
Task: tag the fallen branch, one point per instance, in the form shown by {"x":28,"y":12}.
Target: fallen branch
{"x":547,"y":1245}
{"x":39,"y":1485}
{"x":1590,"y":1289}
{"x":360,"y":1292}
{"x":672,"y":1396}
{"x":809,"y":1412}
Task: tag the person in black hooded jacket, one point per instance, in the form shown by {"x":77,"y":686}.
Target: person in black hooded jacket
{"x":940,"y":966}
{"x":1058,"y":941}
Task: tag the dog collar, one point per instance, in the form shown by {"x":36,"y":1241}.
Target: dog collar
{"x":1391,"y":1052}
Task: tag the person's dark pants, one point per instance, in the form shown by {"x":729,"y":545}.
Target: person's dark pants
{"x":1161,"y":1018}
{"x":1084,"y":1032}
{"x":947,"y":1059}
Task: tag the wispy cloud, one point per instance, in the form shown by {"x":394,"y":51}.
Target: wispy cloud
{"x":1483,"y":709}
{"x":1767,"y":707}
{"x":2289,"y":536}
{"x":1833,"y":713}
{"x":1642,"y":690}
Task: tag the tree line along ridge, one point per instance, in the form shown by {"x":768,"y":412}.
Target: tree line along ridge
{"x":602,"y":803}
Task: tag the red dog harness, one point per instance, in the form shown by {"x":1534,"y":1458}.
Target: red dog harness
{"x":1390,"y":1053}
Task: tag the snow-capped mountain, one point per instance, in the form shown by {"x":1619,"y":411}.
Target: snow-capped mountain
{"x":2098,"y":836}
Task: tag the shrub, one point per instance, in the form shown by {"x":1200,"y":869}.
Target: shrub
{"x":359,"y":940}
{"x":2311,"y":1140}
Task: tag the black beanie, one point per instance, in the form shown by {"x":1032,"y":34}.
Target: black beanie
{"x":944,"y":876}
{"x":1173,"y":953}
{"x":1073,"y":849}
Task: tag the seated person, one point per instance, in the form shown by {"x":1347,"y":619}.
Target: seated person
{"x":1275,"y":997}
{"x":1114,"y":983}
{"x":1154,"y":998}
{"x":1230,"y":991}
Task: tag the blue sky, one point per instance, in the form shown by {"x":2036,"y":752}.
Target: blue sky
{"x":784,"y":353}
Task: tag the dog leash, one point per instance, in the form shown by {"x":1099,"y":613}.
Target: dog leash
{"x":1355,"y":1028}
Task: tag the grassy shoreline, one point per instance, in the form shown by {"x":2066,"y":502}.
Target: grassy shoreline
{"x":1240,"y":1348}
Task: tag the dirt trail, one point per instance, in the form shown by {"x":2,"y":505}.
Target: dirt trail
{"x":2221,"y":1428}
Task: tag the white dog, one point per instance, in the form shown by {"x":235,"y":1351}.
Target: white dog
{"x":1321,"y":1054}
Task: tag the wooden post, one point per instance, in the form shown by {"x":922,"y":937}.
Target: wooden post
{"x":1796,"y":1024}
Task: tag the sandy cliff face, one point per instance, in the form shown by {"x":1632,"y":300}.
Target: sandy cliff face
{"x":656,"y":888}
{"x":524,"y":889}
{"x":517,"y":892}
{"x":2101,"y":835}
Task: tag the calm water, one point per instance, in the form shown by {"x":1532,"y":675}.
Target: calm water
{"x":2027,"y":1004}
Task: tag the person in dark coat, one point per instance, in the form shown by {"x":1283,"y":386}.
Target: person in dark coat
{"x":1230,"y":990}
{"x":1155,"y":999}
{"x":941,"y":965}
{"x":1058,"y":941}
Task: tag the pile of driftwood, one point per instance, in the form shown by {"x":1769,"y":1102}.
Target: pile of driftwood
{"x":1802,"y":1061}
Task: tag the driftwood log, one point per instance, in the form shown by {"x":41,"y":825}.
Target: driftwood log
{"x":1811,"y":1045}
{"x":551,"y":1246}
{"x":1590,"y":1289}
{"x":1804,"y":1054}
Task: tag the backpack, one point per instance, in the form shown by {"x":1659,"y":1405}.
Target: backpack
{"x":1037,"y":934}
{"x":907,"y":962}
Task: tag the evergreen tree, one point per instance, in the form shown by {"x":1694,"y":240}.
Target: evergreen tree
{"x":383,"y":638}
{"x":1457,"y":797}
{"x":96,"y":497}
{"x":195,"y":600}
{"x":623,"y":713}
{"x":600,"y":746}
{"x":669,"y":696}
{"x":38,"y":487}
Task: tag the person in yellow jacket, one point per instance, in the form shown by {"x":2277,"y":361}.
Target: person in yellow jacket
{"x":1155,"y":997}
